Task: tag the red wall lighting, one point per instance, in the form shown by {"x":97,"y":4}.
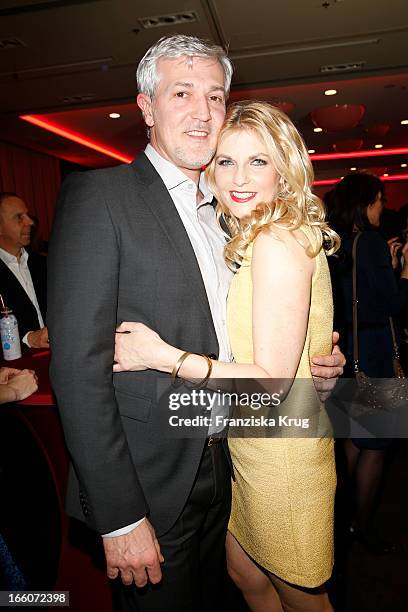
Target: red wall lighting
{"x":353,"y":154}
{"x":326,"y":182}
{"x":391,"y":177}
{"x":46,"y":125}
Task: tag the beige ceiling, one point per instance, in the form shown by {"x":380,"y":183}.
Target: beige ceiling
{"x":65,"y":55}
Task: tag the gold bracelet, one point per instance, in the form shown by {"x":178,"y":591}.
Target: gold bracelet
{"x":207,"y":376}
{"x":180,"y":362}
{"x":178,"y":365}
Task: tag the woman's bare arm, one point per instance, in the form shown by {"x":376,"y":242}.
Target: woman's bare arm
{"x":281,"y":275}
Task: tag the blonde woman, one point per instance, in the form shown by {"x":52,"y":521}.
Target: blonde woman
{"x":280,"y":540}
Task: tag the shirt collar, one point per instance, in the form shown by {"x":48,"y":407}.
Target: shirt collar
{"x":173,"y":177}
{"x":8,"y":258}
{"x":205,"y":190}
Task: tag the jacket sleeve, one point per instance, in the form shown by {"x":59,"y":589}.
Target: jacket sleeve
{"x":403,"y":295}
{"x":379,"y":296}
{"x":83,"y":275}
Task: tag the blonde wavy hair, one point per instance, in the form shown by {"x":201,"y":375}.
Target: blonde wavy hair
{"x":294,"y":205}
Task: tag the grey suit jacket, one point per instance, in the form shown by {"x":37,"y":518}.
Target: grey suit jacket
{"x":119,"y":252}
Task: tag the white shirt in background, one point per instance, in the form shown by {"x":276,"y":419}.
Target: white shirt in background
{"x":20,"y":269}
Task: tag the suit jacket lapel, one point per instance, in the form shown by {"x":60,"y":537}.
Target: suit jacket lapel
{"x":12,"y":282}
{"x":162,"y":206}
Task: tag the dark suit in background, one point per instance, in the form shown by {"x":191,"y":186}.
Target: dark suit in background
{"x":380,"y":296}
{"x":119,"y":252}
{"x":16,"y":297}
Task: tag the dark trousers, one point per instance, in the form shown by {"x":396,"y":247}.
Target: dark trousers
{"x":193,"y":549}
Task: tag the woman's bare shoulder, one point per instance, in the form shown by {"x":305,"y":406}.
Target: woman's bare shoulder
{"x":275,"y":241}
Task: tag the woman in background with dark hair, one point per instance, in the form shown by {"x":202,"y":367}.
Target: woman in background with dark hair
{"x":356,"y":206}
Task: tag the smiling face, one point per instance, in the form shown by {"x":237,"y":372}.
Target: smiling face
{"x":15,"y":225}
{"x":244,"y":173}
{"x":186,"y":112}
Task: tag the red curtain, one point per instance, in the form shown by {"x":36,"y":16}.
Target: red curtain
{"x":35,"y":178}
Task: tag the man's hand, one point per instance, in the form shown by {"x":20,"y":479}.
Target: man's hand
{"x":404,"y":253}
{"x":394,"y":245}
{"x":23,"y":384}
{"x":327,"y":368}
{"x":6,"y":374}
{"x":38,"y":339}
{"x":136,"y":555}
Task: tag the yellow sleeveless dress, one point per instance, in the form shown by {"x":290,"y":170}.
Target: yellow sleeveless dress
{"x":283,"y":494}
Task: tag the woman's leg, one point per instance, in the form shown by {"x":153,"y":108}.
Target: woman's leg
{"x":299,"y":599}
{"x":352,"y":454}
{"x":256,"y":587}
{"x":366,"y":468}
{"x":367,"y":477}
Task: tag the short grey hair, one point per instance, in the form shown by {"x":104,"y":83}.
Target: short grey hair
{"x":175,"y":46}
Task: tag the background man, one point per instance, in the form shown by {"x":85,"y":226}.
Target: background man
{"x":142,"y":244}
{"x":22,"y":275}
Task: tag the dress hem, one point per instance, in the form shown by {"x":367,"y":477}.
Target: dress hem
{"x":292,"y":579}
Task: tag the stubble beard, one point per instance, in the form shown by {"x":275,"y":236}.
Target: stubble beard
{"x":198,"y":161}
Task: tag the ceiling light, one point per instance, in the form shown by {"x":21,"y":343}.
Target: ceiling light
{"x":342,"y":67}
{"x":114,"y":115}
{"x":317,"y":130}
{"x":378,"y":146}
{"x":11,"y":43}
{"x":353,"y":168}
{"x":172,"y":19}
{"x":404,"y":122}
{"x":311,"y":151}
{"x":330,"y":92}
{"x":403,"y":165}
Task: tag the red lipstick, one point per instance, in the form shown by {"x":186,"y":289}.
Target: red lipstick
{"x":245,"y":196}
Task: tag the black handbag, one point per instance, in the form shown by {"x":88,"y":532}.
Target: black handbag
{"x":372,"y":394}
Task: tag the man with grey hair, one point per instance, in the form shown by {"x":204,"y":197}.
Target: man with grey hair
{"x":141,"y":243}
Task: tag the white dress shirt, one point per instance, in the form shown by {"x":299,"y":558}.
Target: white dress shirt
{"x":208,"y":244}
{"x":21,"y":271}
{"x":206,"y":239}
